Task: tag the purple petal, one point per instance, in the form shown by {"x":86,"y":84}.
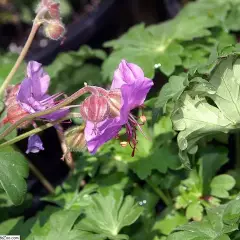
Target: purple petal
{"x":26,"y":98}
{"x":126,"y":73}
{"x":106,"y":131}
{"x":39,"y":79}
{"x":24,"y":94}
{"x":34,"y":144}
{"x":136,"y":93}
{"x":32,"y":95}
{"x":134,"y":86}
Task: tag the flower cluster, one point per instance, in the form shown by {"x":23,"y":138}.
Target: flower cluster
{"x":104,"y":111}
{"x":30,"y":97}
{"x":128,"y":91}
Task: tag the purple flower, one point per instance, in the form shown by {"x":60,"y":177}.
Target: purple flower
{"x":32,"y":95}
{"x":34,"y":144}
{"x":133,"y":87}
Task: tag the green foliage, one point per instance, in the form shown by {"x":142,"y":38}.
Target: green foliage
{"x":221,"y":184}
{"x":114,"y":196}
{"x":71,"y":65}
{"x":59,"y":226}
{"x":161,"y":46}
{"x":169,"y":222}
{"x":218,"y":223}
{"x":108,"y":212}
{"x":208,"y":105}
{"x":202,"y":188}
{"x":155,"y":153}
{"x":13,"y":171}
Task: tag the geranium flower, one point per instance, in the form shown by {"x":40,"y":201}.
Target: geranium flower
{"x":34,"y":144}
{"x":32,"y":95}
{"x":130,"y":87}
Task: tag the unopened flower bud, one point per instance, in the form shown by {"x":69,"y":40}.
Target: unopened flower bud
{"x":123,"y":144}
{"x":94,"y":108}
{"x":53,"y":8}
{"x":75,"y":138}
{"x":54,"y":29}
{"x":115,"y":101}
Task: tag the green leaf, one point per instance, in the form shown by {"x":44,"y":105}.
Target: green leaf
{"x":194,"y":211}
{"x":210,"y":161}
{"x":231,"y":214}
{"x":221,"y":184}
{"x":223,"y":237}
{"x":7,"y":226}
{"x":71,"y":200}
{"x":190,"y":196}
{"x":233,"y":17}
{"x":219,"y":222}
{"x":209,"y":107}
{"x":167,"y":224}
{"x":193,"y":124}
{"x":171,"y":90}
{"x":108,"y":213}
{"x":196,"y":118}
{"x":146,"y":157}
{"x":168,"y":160}
{"x":13,"y":170}
{"x":59,"y":226}
{"x":146,"y":48}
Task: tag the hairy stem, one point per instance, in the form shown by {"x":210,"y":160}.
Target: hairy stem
{"x":32,"y":132}
{"x":37,"y":130}
{"x":41,"y":178}
{"x":35,"y":27}
{"x":159,"y":192}
{"x":32,"y":116}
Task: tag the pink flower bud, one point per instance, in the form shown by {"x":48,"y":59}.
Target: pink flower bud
{"x":115,"y":101}
{"x":54,"y":29}
{"x":95,"y":108}
{"x":53,"y":8}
